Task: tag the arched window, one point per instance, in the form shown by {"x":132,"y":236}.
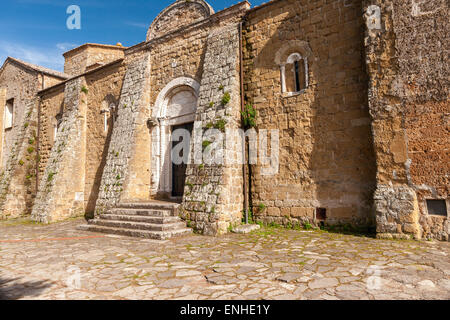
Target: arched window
{"x":109,"y":115}
{"x":293,"y":58}
{"x":294,"y":74}
{"x":57,"y":124}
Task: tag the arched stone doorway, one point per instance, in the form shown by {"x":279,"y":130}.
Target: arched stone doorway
{"x":174,"y":109}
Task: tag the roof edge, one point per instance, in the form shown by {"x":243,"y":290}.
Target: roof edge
{"x":99,"y":45}
{"x":80,"y":75}
{"x":35,"y":68}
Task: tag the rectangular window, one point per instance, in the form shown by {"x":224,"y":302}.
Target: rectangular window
{"x":9,"y":114}
{"x":437,"y":207}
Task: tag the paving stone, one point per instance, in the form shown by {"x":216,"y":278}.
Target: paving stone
{"x":323,"y":283}
{"x":136,"y":269}
{"x":426,"y":284}
{"x":289,"y":277}
{"x":187,"y":273}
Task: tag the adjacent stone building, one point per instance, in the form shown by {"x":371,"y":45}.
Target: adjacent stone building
{"x":351,"y":126}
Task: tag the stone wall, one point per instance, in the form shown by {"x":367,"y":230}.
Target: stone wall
{"x":326,"y":153}
{"x":20,"y":82}
{"x":21,"y":85}
{"x":179,"y":14}
{"x":180,"y":56}
{"x":81,"y":59}
{"x":2,"y":118}
{"x":18,"y":177}
{"x":51,"y":105}
{"x":61,"y":187}
{"x":408,"y":99}
{"x":126,"y":175}
{"x":213,"y":196}
{"x":104,"y":87}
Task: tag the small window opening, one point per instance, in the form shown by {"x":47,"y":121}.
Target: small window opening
{"x":294,"y":74}
{"x":113,"y":112}
{"x":321,"y":214}
{"x":297,"y":76}
{"x":105,"y":122}
{"x":58,"y":121}
{"x":9,"y":114}
{"x":437,"y":207}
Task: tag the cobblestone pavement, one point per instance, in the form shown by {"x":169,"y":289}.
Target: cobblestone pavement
{"x":268,"y":264}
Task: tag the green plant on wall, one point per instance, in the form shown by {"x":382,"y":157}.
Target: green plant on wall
{"x":50,"y":176}
{"x":220,"y":124}
{"x":261,"y":207}
{"x":190,"y":185}
{"x":84,"y":89}
{"x":206,"y":144}
{"x":249,"y":116}
{"x":209,"y":125}
{"x":226,"y":98}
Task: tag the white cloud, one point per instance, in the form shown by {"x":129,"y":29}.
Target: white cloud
{"x":50,"y":57}
{"x":137,"y":24}
{"x":66,"y":46}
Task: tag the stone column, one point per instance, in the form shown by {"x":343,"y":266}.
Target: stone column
{"x":283,"y":78}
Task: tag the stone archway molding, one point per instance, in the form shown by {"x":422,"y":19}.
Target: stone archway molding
{"x":178,"y":82}
{"x":301,"y":47}
{"x":161,"y":177}
{"x":207,"y":11}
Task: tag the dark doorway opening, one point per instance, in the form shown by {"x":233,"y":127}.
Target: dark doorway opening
{"x":179,"y":170}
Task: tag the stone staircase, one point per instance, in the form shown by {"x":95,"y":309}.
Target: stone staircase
{"x":152,"y":220}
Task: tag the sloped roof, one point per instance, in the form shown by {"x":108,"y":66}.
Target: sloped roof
{"x":36,"y":68}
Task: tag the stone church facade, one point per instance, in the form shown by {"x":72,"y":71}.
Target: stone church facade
{"x":354,"y":93}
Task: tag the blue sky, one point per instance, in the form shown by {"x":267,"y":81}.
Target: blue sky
{"x":36,"y":31}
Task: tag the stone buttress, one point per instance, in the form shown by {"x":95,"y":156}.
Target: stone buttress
{"x":61,"y":187}
{"x":213,"y":195}
{"x":125,"y":177}
{"x":18,"y":179}
{"x":407,"y":98}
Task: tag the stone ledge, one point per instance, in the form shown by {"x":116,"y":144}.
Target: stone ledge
{"x":246,"y":228}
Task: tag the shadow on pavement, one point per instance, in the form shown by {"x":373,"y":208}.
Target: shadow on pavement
{"x":13,"y":288}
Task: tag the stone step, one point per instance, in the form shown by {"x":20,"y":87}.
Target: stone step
{"x":156,"y":235}
{"x":138,"y":225}
{"x":153,"y":205}
{"x":139,"y":218}
{"x":141,"y":212}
